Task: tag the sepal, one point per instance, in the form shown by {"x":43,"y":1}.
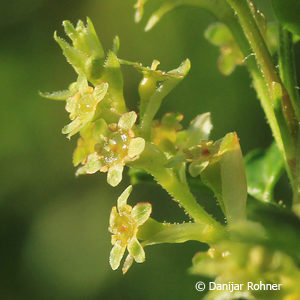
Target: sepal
{"x":85,"y":54}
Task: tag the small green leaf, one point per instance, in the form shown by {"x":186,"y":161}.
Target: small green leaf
{"x":59,"y":95}
{"x":226,"y":176}
{"x":158,"y":14}
{"x":220,"y":9}
{"x":112,"y":74}
{"x":86,"y":54}
{"x":263,"y":169}
{"x":199,"y":129}
{"x":281,"y":225}
{"x":139,"y":6}
{"x":218,"y":34}
{"x":74,"y":56}
{"x":227,"y":63}
{"x":84,"y":38}
{"x":198,"y":168}
{"x":288,"y":14}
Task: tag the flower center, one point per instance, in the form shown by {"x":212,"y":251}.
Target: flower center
{"x":116,"y":148}
{"x":86,"y":104}
{"x":125,"y":228}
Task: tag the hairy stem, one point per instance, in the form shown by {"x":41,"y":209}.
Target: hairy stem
{"x":282,"y":106}
{"x":259,"y":83}
{"x":256,"y":40}
{"x":264,"y":60}
{"x":153,"y":162}
{"x":153,"y":232}
{"x":288,"y":75}
{"x":287,"y":67}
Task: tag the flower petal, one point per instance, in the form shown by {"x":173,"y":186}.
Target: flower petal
{"x":93,"y":163}
{"x":127,"y":264}
{"x":136,"y":250}
{"x":116,"y":255}
{"x":71,"y":104}
{"x":127,"y":120}
{"x":72,"y":128}
{"x":114,"y":175}
{"x":80,"y":171}
{"x":80,"y":153}
{"x":112,"y":218}
{"x":114,"y":239}
{"x":141,"y":212}
{"x":122,"y":200}
{"x":100,"y":91}
{"x":136,"y":147}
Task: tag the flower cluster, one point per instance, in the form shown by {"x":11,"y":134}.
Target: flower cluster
{"x":112,"y":137}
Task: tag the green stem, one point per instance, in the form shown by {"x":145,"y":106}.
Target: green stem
{"x":181,"y":193}
{"x":249,"y":36}
{"x":259,"y":83}
{"x":153,"y":162}
{"x":226,"y":14}
{"x":288,"y":75}
{"x":296,"y":184}
{"x":274,"y":114}
{"x":264,"y":60}
{"x":279,"y":110}
{"x":287,"y":67}
{"x":256,"y":40}
{"x":153,"y":232}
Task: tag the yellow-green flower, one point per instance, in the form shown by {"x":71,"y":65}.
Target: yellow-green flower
{"x":164,"y":132}
{"x":200,"y":156}
{"x":123,"y":224}
{"x":118,"y":147}
{"x":83,"y":104}
{"x":89,"y":137}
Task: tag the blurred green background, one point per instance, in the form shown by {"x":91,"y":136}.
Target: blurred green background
{"x":53,"y":232}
